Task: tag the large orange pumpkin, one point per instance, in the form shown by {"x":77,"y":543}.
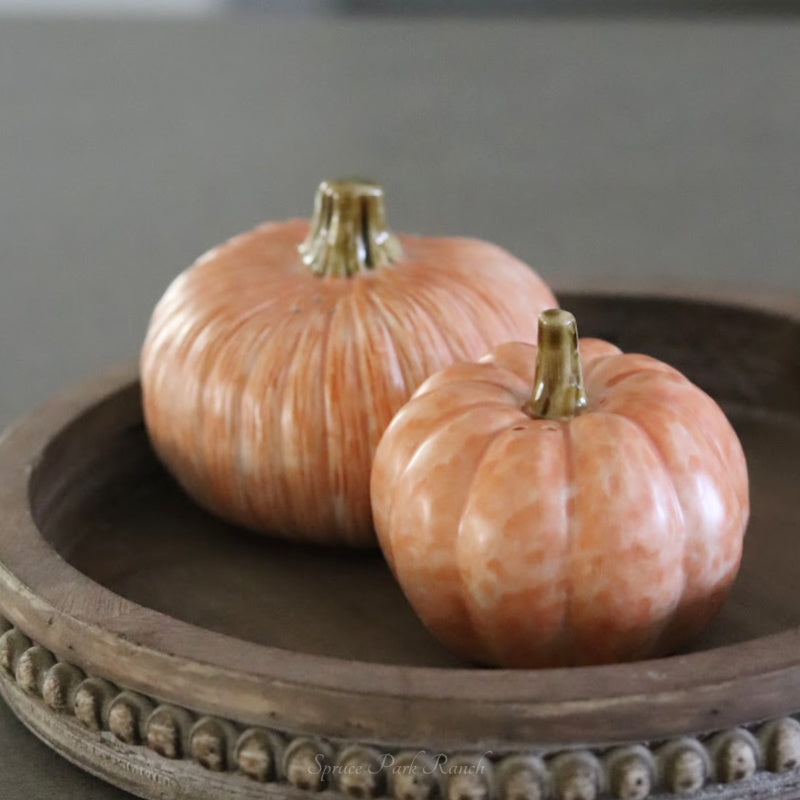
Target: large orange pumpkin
{"x":536,"y":520}
{"x":272,"y":366}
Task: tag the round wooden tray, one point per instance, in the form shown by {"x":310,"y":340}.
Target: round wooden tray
{"x":176,"y":656}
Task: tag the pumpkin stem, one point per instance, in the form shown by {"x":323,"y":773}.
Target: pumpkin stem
{"x":558,"y":391}
{"x":348,"y":229}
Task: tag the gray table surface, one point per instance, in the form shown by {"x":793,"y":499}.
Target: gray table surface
{"x":651,"y":155}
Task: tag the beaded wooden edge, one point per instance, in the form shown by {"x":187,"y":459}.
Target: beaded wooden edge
{"x":729,"y":763}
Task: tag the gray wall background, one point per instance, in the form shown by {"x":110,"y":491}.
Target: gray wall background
{"x":650,"y":154}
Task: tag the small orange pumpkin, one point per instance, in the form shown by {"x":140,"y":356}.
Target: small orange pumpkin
{"x":272,"y":366}
{"x":561,"y":525}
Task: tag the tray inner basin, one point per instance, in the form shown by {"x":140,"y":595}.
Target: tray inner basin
{"x":108,"y":507}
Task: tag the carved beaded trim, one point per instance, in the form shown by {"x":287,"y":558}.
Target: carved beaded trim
{"x":632,"y":772}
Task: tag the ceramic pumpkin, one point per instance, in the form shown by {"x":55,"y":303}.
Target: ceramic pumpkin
{"x":272,"y":366}
{"x":559,"y":505}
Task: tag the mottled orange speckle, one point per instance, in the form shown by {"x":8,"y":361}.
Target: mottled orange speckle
{"x":612,"y":536}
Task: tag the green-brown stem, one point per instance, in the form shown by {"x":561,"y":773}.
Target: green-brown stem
{"x":558,"y":391}
{"x":348,"y":229}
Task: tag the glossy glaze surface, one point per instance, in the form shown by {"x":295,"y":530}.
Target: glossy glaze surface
{"x":267,"y":387}
{"x":611,"y":536}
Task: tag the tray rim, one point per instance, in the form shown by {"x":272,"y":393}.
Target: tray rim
{"x":391,"y":702}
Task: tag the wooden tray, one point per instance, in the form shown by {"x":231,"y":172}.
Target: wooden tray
{"x":175,"y":656}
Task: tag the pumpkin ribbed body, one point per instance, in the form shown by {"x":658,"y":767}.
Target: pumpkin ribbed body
{"x":613,"y":535}
{"x":267,"y":387}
